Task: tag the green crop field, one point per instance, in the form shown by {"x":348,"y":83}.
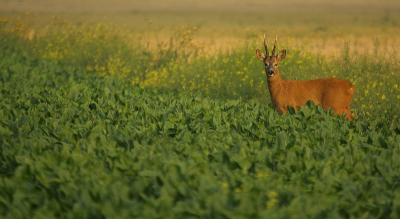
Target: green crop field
{"x":102,"y":119}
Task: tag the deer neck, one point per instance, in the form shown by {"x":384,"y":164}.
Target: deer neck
{"x":275,"y":83}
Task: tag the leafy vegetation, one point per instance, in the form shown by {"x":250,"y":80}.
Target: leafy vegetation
{"x":182,"y":64}
{"x":81,"y":142}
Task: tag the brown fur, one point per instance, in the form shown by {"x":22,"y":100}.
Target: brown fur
{"x":329,"y":92}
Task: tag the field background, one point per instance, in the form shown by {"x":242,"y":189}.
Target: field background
{"x":323,"y":26}
{"x":208,"y":46}
{"x":160,"y":109}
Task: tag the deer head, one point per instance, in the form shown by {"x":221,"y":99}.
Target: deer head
{"x":271,"y":62}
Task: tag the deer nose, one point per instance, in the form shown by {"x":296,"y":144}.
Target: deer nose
{"x":270,"y":72}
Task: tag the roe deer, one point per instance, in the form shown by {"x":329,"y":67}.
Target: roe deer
{"x":331,"y":93}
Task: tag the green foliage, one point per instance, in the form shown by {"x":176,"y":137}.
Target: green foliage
{"x":186,"y":135}
{"x":180,"y":64}
{"x":77,"y":145}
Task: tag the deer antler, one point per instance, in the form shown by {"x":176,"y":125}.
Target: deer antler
{"x":266,"y":47}
{"x":276,"y":42}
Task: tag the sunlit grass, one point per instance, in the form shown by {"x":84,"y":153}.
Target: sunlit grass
{"x":180,"y":63}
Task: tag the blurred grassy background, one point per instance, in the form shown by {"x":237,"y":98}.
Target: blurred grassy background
{"x":209,"y":47}
{"x":324,"y":26}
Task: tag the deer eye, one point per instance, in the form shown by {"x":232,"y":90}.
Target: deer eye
{"x":276,"y":64}
{"x":265,"y":64}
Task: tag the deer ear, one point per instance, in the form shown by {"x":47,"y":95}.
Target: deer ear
{"x":281,"y":55}
{"x":260,"y":55}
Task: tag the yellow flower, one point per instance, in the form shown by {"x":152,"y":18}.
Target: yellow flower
{"x":271,"y":203}
{"x":383,"y":96}
{"x":237,"y":190}
{"x":225,"y":187}
{"x":273,"y":199}
{"x":89,"y":68}
{"x":272,"y":194}
{"x":262,"y":175}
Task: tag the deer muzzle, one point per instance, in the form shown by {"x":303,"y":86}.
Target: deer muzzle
{"x":270,"y":73}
